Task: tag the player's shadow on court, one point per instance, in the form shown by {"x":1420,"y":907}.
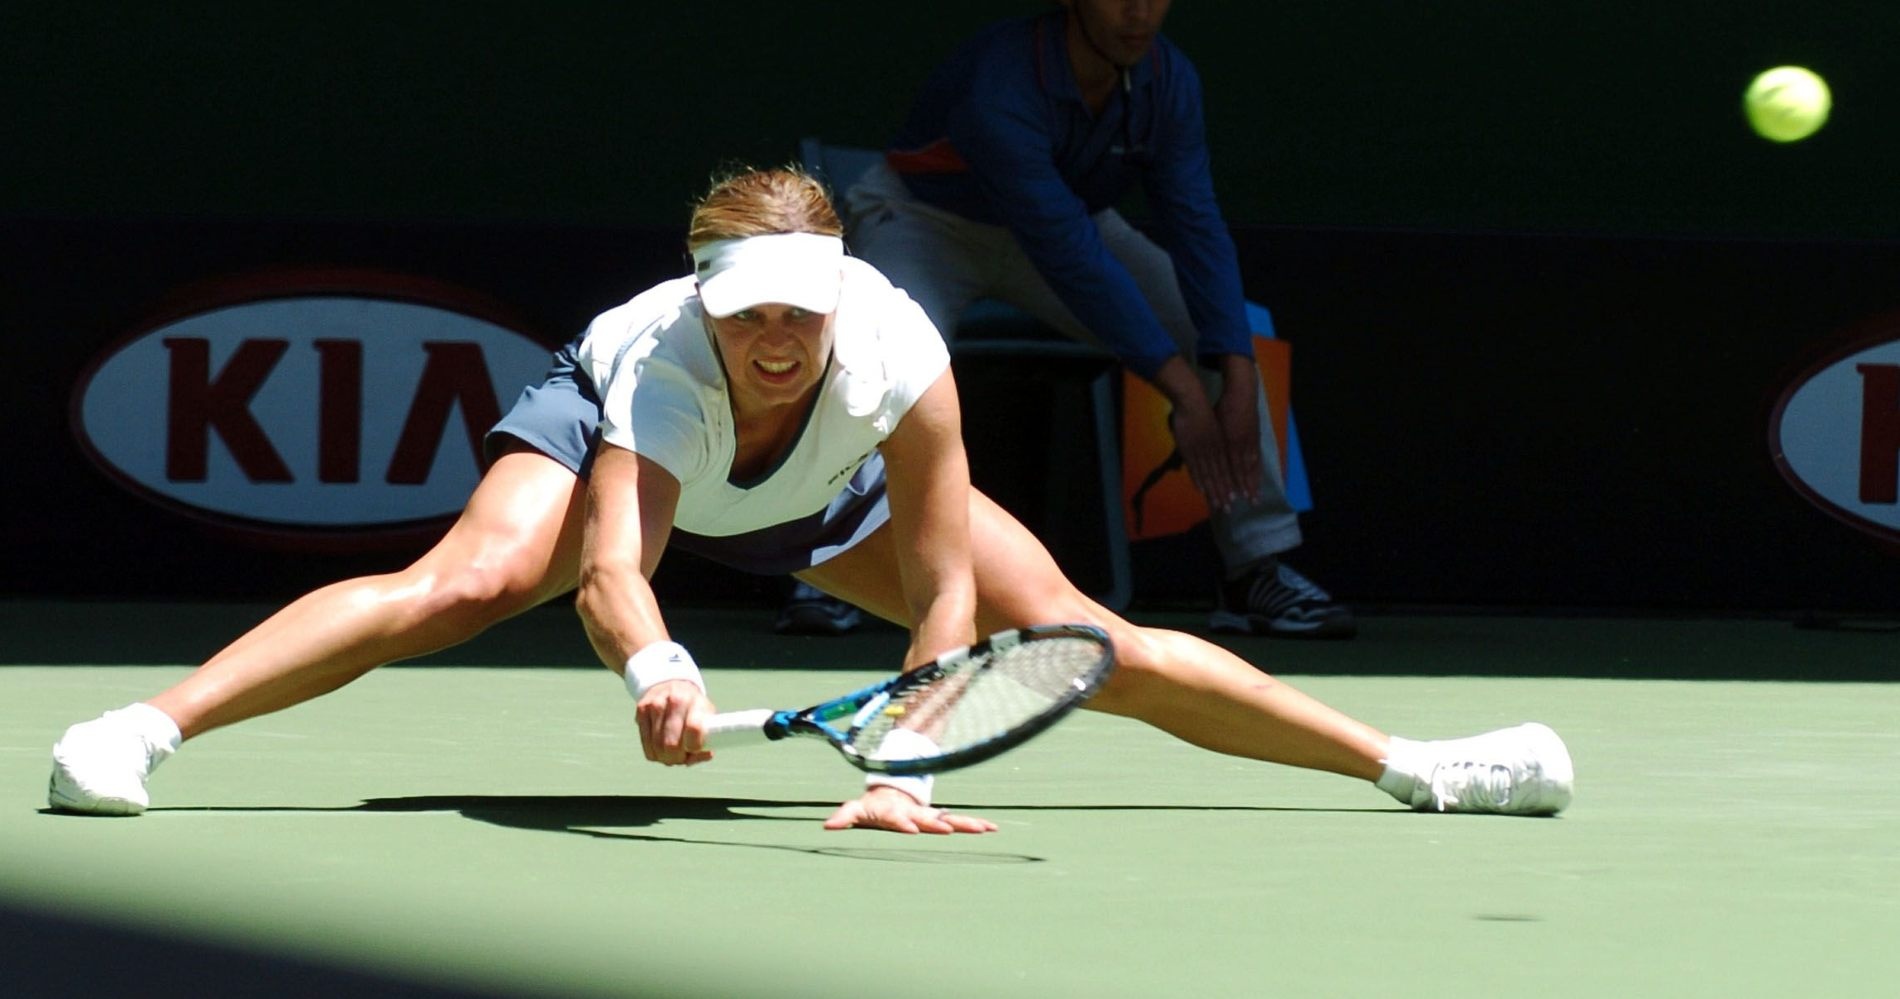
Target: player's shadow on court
{"x":606,"y":816}
{"x":562,"y":813}
{"x":610,"y":816}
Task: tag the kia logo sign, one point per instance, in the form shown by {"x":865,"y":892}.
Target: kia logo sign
{"x":316,"y":411}
{"x":1835,"y":432}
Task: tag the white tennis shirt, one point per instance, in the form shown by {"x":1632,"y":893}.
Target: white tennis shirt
{"x":663,"y":395}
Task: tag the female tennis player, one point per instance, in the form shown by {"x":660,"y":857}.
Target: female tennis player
{"x":782,"y":409}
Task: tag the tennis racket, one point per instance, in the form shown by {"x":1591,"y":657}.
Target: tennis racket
{"x":964,"y":708}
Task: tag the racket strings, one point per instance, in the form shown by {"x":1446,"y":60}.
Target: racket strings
{"x":967,"y":703}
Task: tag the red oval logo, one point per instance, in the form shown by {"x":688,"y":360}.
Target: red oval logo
{"x":307,"y":404}
{"x":1835,"y":431}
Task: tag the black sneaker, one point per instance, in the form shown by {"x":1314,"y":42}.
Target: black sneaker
{"x":1277,"y":601}
{"x":812,"y":611}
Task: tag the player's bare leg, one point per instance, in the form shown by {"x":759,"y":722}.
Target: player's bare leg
{"x":1188,"y":687}
{"x":515,"y":546}
{"x":1204,"y":694}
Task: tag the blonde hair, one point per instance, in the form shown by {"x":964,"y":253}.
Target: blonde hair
{"x":762,"y":203}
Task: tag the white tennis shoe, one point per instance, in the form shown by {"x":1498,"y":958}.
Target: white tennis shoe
{"x":100,"y":766}
{"x":1525,"y":770}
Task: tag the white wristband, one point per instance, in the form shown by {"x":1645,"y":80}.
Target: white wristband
{"x":904,"y":744}
{"x":916,"y":787}
{"x":658,"y":663}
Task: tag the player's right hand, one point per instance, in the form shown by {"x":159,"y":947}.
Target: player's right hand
{"x":672,"y":718}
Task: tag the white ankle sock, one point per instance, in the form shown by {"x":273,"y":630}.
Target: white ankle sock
{"x":155,"y":725}
{"x":1405,"y":762}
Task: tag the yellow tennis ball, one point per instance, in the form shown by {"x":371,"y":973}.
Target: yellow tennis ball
{"x":1787,"y":103}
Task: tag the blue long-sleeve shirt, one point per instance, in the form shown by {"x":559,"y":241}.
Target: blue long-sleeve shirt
{"x":1000,"y":134}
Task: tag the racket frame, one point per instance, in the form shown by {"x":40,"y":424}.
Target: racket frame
{"x":818,"y":719}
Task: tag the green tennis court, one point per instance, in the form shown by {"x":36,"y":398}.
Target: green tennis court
{"x":481,"y":823}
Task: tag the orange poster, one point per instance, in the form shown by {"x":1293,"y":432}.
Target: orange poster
{"x":1158,"y":499}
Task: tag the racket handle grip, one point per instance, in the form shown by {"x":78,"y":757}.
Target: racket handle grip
{"x":731,"y":729}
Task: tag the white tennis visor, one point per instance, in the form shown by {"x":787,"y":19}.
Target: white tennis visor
{"x":803,"y":269}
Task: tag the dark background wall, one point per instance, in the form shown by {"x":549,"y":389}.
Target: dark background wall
{"x":1541,"y":281}
{"x":1606,"y":115}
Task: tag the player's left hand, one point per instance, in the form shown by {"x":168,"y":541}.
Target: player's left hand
{"x":892,"y":810}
